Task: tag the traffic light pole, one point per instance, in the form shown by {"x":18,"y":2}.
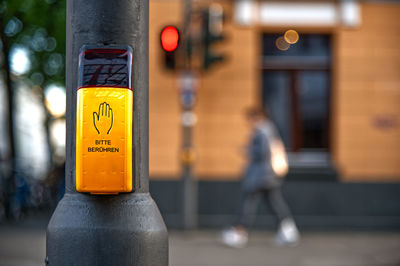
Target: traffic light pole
{"x":190,"y":185}
{"x":123,"y":229}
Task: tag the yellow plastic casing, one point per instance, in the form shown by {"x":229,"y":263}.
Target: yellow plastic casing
{"x":104,"y":140}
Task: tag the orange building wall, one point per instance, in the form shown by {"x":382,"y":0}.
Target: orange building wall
{"x":222,"y":96}
{"x":366,"y":113}
{"x":164,"y":123}
{"x":365,"y":98}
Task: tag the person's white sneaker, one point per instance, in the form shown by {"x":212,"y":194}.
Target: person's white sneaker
{"x":235,"y":238}
{"x":288,"y":234}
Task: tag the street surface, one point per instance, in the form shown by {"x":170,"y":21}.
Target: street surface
{"x":26,"y":247}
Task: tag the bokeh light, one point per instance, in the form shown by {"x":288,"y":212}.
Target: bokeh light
{"x":55,"y":100}
{"x":20,"y":63}
{"x":58,"y":136}
{"x":291,"y":36}
{"x":281,"y":44}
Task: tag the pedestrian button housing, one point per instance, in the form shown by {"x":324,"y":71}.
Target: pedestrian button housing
{"x":104,"y":120}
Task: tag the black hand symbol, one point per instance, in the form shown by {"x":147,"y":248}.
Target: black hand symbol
{"x":103,"y":121}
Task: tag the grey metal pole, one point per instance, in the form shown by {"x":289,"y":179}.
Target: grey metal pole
{"x":125,"y":229}
{"x":190,"y":185}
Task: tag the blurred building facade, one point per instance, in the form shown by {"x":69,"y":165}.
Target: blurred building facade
{"x":355,"y":69}
{"x":334,"y":95}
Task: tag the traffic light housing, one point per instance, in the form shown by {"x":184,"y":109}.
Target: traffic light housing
{"x":169,"y":39}
{"x":212,"y":27}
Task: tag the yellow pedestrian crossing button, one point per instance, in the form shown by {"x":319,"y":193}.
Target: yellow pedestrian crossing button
{"x":104,"y":121}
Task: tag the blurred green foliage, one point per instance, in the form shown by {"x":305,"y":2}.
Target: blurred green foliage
{"x":39,"y":27}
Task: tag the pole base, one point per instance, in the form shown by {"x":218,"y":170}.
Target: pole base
{"x":107,"y":230}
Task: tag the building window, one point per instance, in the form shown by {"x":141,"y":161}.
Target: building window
{"x":296,"y":90}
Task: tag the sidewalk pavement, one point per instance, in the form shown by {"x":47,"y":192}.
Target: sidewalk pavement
{"x":26,"y":247}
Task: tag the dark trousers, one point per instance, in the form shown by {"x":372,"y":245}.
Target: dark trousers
{"x":273,"y":196}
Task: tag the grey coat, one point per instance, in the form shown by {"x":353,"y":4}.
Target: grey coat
{"x":259,"y":173}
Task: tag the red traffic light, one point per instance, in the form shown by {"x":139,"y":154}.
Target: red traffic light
{"x":169,"y":38}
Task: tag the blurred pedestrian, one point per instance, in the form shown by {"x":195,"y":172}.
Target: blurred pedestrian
{"x":267,"y":164}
